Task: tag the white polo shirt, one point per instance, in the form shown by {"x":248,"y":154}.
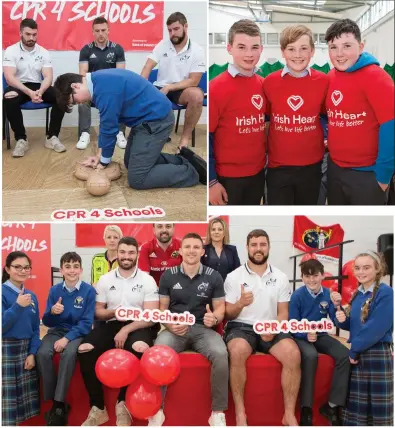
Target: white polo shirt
{"x":269,"y":289}
{"x":28,"y":64}
{"x":114,"y":290}
{"x":174,"y":67}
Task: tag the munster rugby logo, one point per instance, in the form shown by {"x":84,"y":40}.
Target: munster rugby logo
{"x":316,"y":238}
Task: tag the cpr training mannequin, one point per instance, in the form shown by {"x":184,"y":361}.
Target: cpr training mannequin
{"x":98,"y":180}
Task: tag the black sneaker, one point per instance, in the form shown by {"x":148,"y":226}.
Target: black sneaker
{"x":306,"y":417}
{"x":58,"y":416}
{"x":197,"y":162}
{"x":331,"y":413}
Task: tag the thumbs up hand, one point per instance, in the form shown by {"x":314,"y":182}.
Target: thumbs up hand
{"x":246,"y":297}
{"x":24,"y":299}
{"x":340,"y":315}
{"x":336,"y":299}
{"x":57,"y":308}
{"x":209,"y":319}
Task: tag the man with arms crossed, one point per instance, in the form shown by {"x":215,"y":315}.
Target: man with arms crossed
{"x":257,"y":291}
{"x":160,"y":253}
{"x":181,"y":63}
{"x":98,"y":55}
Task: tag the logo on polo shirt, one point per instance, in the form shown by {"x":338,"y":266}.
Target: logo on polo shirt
{"x":93,"y":56}
{"x":185,"y":58}
{"x":164,"y":263}
{"x":152,"y":255}
{"x":112,"y":288}
{"x":295,"y":102}
{"x":175,"y":254}
{"x":165,"y":54}
{"x":110,"y":55}
{"x":78,"y":302}
{"x":177,"y":286}
{"x":336,"y":97}
{"x":138,"y":287}
{"x":257,"y":101}
{"x":271,"y":282}
{"x":202,"y":288}
{"x":324,"y":307}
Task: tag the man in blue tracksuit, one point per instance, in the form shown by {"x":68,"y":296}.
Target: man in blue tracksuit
{"x":122,"y":96}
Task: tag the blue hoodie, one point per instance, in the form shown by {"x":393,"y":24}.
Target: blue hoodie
{"x":384,"y":167}
{"x":122,"y":96}
{"x":378,"y":326}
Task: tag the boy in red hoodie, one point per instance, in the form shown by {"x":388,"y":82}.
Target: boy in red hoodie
{"x":295,"y":97}
{"x":237,"y":123}
{"x":360,"y":107}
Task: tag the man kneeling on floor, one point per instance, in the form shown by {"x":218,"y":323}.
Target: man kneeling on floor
{"x":199,"y":290}
{"x":122,"y":96}
{"x":131,"y":287}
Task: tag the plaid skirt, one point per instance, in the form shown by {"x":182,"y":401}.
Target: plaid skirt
{"x":371,"y":392}
{"x":20,"y":387}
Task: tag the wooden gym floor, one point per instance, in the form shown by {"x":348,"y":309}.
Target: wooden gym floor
{"x":42,"y":181}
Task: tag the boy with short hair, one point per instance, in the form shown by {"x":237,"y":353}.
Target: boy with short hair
{"x":237,"y":123}
{"x":360,"y":107}
{"x":69,"y":314}
{"x":312,"y":302}
{"x":295,"y":97}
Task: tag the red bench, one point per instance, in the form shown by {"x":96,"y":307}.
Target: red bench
{"x":188,"y":399}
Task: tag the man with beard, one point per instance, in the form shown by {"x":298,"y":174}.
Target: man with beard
{"x":257,"y":291}
{"x":198,"y":289}
{"x":130,"y":287}
{"x":25,"y":64}
{"x":181,"y":63}
{"x":160,"y":253}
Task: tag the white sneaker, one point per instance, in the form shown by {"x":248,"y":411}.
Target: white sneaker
{"x":96,"y":417}
{"x":54,"y":144}
{"x":123,"y":416}
{"x":84,"y":140}
{"x":217,"y":420}
{"x":157,"y":420}
{"x":121,"y":140}
{"x":21,"y":147}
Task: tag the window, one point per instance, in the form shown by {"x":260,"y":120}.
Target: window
{"x":263,"y":38}
{"x":272,"y":38}
{"x":321,"y":39}
{"x":375,"y":13}
{"x":315,"y":38}
{"x":220,"y":38}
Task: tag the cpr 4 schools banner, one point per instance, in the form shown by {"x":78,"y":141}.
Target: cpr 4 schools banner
{"x":67,"y":26}
{"x":309,"y":236}
{"x":35,"y":240}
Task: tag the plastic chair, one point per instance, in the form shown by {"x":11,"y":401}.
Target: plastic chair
{"x":29,"y":105}
{"x":177,"y":107}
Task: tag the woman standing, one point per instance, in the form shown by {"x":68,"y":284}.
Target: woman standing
{"x":369,"y":319}
{"x":105,"y":262}
{"x":20,"y":342}
{"x":219,"y":254}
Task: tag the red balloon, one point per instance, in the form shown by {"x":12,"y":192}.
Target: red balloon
{"x":308,"y":256}
{"x":160,"y":365}
{"x":329,"y":283}
{"x":116,"y":368}
{"x":143,"y":399}
{"x":351,"y":281}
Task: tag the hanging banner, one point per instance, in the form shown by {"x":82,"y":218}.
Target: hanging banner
{"x":34,"y":239}
{"x":67,"y":26}
{"x":309,"y":236}
{"x":91,"y":235}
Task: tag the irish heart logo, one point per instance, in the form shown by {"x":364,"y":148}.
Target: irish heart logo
{"x":295,"y":102}
{"x":257,"y":101}
{"x":337,"y":97}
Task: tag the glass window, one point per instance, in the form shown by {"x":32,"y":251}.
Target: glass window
{"x":321,"y":39}
{"x":272,"y":38}
{"x":315,"y":38}
{"x":220,"y":38}
{"x":263,"y":38}
{"x":210,"y":38}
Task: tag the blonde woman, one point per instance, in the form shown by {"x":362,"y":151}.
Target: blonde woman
{"x":107,"y":261}
{"x":369,"y":318}
{"x":219,"y":254}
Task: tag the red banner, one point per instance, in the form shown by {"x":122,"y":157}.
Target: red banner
{"x":35,"y":241}
{"x":309,"y":236}
{"x":91,"y":235}
{"x":67,"y":26}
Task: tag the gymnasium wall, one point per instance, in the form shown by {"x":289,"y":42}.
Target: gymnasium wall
{"x":67,"y":61}
{"x":364,"y":230}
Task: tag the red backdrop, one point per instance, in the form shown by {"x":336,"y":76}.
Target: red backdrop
{"x":91,"y":235}
{"x":35,"y":241}
{"x":65,"y":26}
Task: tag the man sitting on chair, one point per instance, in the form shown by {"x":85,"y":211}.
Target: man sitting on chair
{"x":181,"y":64}
{"x":25,"y":64}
